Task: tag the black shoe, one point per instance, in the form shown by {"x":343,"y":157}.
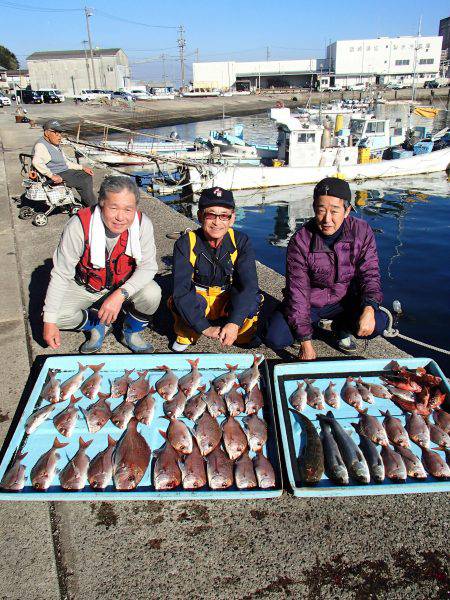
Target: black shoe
{"x":347,"y":344}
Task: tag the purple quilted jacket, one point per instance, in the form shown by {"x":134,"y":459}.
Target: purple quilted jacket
{"x":317,"y":275}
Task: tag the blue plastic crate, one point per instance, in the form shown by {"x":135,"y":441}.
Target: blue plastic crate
{"x":210,"y":365}
{"x":285,"y":382}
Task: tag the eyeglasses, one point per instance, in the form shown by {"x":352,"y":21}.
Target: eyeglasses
{"x":210,"y":216}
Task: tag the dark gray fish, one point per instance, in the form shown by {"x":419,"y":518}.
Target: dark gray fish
{"x":311,"y":459}
{"x":38,"y":417}
{"x":335,"y":467}
{"x":74,"y":475}
{"x":352,"y":456}
{"x":372,"y":456}
{"x":66,"y":420}
{"x":414,"y":467}
{"x":14,"y":478}
{"x":119,"y":386}
{"x":101,"y":466}
{"x":393,"y":464}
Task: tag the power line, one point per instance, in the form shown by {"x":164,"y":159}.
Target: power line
{"x":27,"y":8}
{"x":105,"y":14}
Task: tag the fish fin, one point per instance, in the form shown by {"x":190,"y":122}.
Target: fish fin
{"x":111,"y":441}
{"x":163,"y":433}
{"x":349,"y":379}
{"x":152,"y":390}
{"x":84,"y":444}
{"x":202,"y":388}
{"x":193,"y":363}
{"x":362,"y":411}
{"x":143,"y":373}
{"x":97,"y":368}
{"x":21,"y":455}
{"x":58,"y":444}
{"x":82,"y":367}
{"x":231,"y":367}
{"x":330,"y":415}
{"x":356,"y":426}
{"x":162,"y":368}
{"x":74,"y":400}
{"x":385,"y":413}
{"x":128,"y":372}
{"x":103,"y":396}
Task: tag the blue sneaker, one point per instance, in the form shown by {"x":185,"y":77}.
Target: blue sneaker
{"x":97,"y":332}
{"x":132,"y":338}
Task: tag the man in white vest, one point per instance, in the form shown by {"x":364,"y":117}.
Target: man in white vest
{"x":49,"y":160}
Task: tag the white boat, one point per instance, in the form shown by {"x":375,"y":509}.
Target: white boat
{"x":200,"y":93}
{"x":234,"y":146}
{"x":303,"y":161}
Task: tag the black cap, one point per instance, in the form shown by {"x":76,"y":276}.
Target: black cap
{"x":52,"y":124}
{"x":216,"y":196}
{"x":333,"y":186}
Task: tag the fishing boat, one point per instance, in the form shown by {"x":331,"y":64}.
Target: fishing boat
{"x":301,"y":159}
{"x":233,"y":145}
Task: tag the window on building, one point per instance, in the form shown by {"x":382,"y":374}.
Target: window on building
{"x":426,"y":61}
{"x":401,"y":62}
{"x":304,"y":138}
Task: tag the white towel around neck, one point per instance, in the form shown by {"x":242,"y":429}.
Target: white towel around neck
{"x":97,"y":240}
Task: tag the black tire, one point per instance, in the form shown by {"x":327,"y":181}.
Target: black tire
{"x":40,"y":220}
{"x":26,"y":212}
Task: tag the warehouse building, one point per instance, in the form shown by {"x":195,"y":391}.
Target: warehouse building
{"x":371,"y":61}
{"x":72,"y":71}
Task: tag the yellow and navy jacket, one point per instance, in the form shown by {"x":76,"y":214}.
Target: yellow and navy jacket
{"x":230,"y":267}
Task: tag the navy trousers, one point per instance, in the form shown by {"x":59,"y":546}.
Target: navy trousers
{"x":345,"y":317}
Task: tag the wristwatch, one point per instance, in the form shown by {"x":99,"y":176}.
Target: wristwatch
{"x":124,"y":293}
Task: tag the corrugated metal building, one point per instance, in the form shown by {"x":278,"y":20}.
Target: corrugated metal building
{"x":71,"y":70}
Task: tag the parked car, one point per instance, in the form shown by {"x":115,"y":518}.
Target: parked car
{"x":31,"y":97}
{"x":138,"y":94}
{"x":4,"y":100}
{"x":101,"y":93}
{"x":58,"y":93}
{"x":432,"y":84}
{"x":357,"y":87}
{"x":85,"y":96}
{"x":50,"y":97}
{"x":122,"y":95}
{"x":396,"y":85}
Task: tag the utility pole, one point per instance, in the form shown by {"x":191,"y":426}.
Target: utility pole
{"x":163,"y":58}
{"x":267,"y":53}
{"x":84,"y":42}
{"x":88,"y":12}
{"x":181,"y":45}
{"x":416,"y":47}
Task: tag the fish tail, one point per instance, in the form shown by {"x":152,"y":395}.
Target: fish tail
{"x":231,"y":367}
{"x":21,"y":455}
{"x":58,"y":444}
{"x":103,"y":396}
{"x":111,"y":441}
{"x":309,"y":381}
{"x":128,"y":372}
{"x":84,"y":444}
{"x":349,"y":379}
{"x":257,"y":359}
{"x":74,"y":400}
{"x":143,"y":373}
{"x":193,"y":363}
{"x":97,"y":368}
{"x":163,"y":433}
{"x":361,"y":411}
{"x":162,"y":368}
{"x":385,"y":413}
{"x":82,"y":367}
{"x":152,"y":390}
{"x":202,"y":388}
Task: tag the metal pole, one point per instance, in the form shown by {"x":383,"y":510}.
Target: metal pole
{"x":181,"y":46}
{"x":163,"y":58}
{"x":267,"y":53}
{"x":89,"y":13}
{"x":87,"y":62}
{"x":416,"y":47}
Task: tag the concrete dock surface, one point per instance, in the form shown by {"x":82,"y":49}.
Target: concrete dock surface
{"x":362,"y":547}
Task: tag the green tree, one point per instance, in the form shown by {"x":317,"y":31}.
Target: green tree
{"x":8,"y":59}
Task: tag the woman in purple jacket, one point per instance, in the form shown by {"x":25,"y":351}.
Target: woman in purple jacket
{"x":331,"y":273}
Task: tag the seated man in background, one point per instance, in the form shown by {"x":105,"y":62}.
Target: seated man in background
{"x":106,"y":256}
{"x":49,"y":160}
{"x":215,"y":285}
{"x":332,"y":272}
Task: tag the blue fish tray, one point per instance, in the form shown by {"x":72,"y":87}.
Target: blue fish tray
{"x":39,"y":441}
{"x":285,"y":382}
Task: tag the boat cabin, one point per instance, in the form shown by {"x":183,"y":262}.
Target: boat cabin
{"x":299,"y":142}
{"x":375,"y":133}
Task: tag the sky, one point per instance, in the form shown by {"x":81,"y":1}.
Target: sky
{"x":218,"y":29}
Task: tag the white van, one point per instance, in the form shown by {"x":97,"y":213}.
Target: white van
{"x":357,"y":87}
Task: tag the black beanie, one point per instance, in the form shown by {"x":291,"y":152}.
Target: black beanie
{"x":333,"y":186}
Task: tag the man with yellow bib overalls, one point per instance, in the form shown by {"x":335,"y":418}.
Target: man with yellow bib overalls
{"x":215,"y":285}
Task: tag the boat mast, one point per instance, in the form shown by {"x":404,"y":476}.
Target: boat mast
{"x":416,"y":47}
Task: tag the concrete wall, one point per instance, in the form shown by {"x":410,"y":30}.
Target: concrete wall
{"x":71,"y":75}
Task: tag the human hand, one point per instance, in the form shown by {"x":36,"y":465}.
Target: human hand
{"x":212,"y":332}
{"x":110,"y":308}
{"x":228,"y":334}
{"x":52,"y":335}
{"x":366,"y":321}
{"x":56,"y":179}
{"x":88,"y":170}
{"x":307,"y":351}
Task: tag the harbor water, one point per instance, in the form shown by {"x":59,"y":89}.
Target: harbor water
{"x":410,"y":217}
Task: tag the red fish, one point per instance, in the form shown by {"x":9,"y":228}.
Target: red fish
{"x":131,"y":458}
{"x":74,"y":474}
{"x":44,"y":470}
{"x":101,"y":466}
{"x":14,"y":478}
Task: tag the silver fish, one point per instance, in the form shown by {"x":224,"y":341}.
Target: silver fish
{"x":244,"y":473}
{"x":166,"y":472}
{"x":435,"y":464}
{"x":256,"y":431}
{"x":414,"y":467}
{"x":314,"y":396}
{"x":122,"y":414}
{"x":119,"y":386}
{"x":331,"y":397}
{"x":215,"y":403}
{"x":250,"y":377}
{"x":394,"y":465}
{"x":351,"y":395}
{"x":43,"y":472}
{"x":179,"y":436}
{"x":207,"y":433}
{"x":298,"y":397}
{"x":190,"y":383}
{"x":97,"y":414}
{"x":442,"y":419}
{"x":101,"y":466}
{"x":254,"y":401}
{"x":38,"y":417}
{"x":72,"y":385}
{"x":14,"y":478}
{"x":52,"y":389}
{"x":352,"y":456}
{"x":174,"y":408}
{"x":219,"y":469}
{"x":92,"y":384}
{"x":366,"y":394}
{"x":372,"y":456}
{"x":334,"y":465}
{"x":377,"y":389}
{"x":372,"y":428}
{"x":418,"y":430}
{"x":193,"y":469}
{"x":131,"y":458}
{"x":264,"y":471}
{"x":403,"y":394}
{"x":167,"y":386}
{"x":74,"y":474}
{"x":234,"y":401}
{"x":145,"y":408}
{"x":66,"y":420}
{"x":138,"y":388}
{"x":234,"y":438}
{"x":196,"y":405}
{"x":395,"y":430}
{"x":223,"y":383}
{"x":438,"y":436}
